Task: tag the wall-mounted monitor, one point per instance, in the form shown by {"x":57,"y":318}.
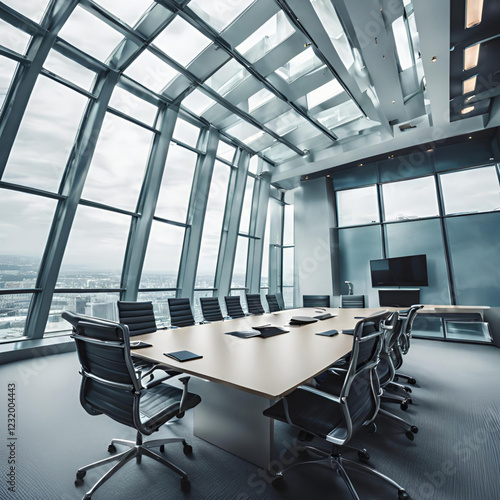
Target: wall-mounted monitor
{"x":399,"y":271}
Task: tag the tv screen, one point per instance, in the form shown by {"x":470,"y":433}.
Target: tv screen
{"x":399,"y":271}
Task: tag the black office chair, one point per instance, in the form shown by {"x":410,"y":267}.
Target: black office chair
{"x":336,"y":417}
{"x":210,"y":308}
{"x":110,"y":386}
{"x":272,"y":301}
{"x":233,"y":306}
{"x":352,"y":301}
{"x":180,"y":312}
{"x":254,"y":304}
{"x":316,"y":300}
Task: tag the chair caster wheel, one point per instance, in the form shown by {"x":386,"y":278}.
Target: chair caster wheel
{"x":414,"y":429}
{"x":180,"y":414}
{"x":187,"y":449}
{"x":396,"y":378}
{"x":363,"y":455}
{"x":412,"y":381}
{"x":78,"y":481}
{"x":278,"y":482}
{"x":185,"y":484}
{"x":81,"y":474}
{"x":111,"y":448}
{"x":87,"y":497}
{"x":403,"y":495}
{"x":407,"y":389}
{"x":162,"y":448}
{"x":409,"y":435}
{"x":404,"y":406}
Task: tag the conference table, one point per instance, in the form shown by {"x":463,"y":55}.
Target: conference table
{"x":238,"y":378}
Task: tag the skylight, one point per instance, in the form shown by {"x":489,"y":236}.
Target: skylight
{"x":245,"y":132}
{"x":273,"y":32}
{"x":323,"y":93}
{"x":339,"y":115}
{"x":69,"y":69}
{"x":129,"y":12}
{"x":151,"y":71}
{"x":286,"y":122}
{"x":33,"y":9}
{"x":300,"y":65}
{"x":257,"y":100}
{"x":181,"y":41}
{"x":228,"y":77}
{"x":197,"y":102}
{"x":91,"y":35}
{"x":13,"y":38}
{"x":402,"y":43}
{"x":220,"y":13}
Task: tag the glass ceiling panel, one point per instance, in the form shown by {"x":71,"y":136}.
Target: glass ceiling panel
{"x":259,"y":99}
{"x":286,"y":122}
{"x":130,"y":12}
{"x":69,"y":70}
{"x":197,"y":102}
{"x":221,"y":13}
{"x":333,"y":27}
{"x":133,"y":106}
{"x":7,"y":69}
{"x":181,"y":41}
{"x":273,"y":32}
{"x":228,"y":77}
{"x":151,"y":71}
{"x":91,"y":35}
{"x":339,"y":115}
{"x":13,"y":38}
{"x":323,"y":93}
{"x":34,"y":9}
{"x":245,"y":132}
{"x":279,"y":153}
{"x":302,"y":64}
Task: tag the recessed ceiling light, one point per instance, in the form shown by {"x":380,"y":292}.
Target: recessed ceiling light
{"x":393,"y":102}
{"x":470,"y":137}
{"x":469,"y":85}
{"x":434,"y":59}
{"x":471,"y":56}
{"x":473,"y":13}
{"x":466,"y":110}
{"x":360,"y":165}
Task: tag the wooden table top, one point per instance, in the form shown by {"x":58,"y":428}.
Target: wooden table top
{"x":268,"y":367}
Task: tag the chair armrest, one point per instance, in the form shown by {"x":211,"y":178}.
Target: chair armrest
{"x":323,"y":394}
{"x":185,"y":382}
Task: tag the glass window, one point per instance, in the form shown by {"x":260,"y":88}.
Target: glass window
{"x":163,"y":255}
{"x":247,"y":206}
{"x":33,"y":9}
{"x":219,"y":14}
{"x":172,"y":41}
{"x":95,"y":250}
{"x":323,"y":93}
{"x":264,"y":276}
{"x":186,"y":132}
{"x":102,"y":41}
{"x":117,"y":170}
{"x":13,"y":38}
{"x":130,"y":12}
{"x":254,"y":164}
{"x":212,"y":227}
{"x":175,"y":190}
{"x":225,"y":151}
{"x":7,"y":69}
{"x":474,"y":190}
{"x":160,"y":305}
{"x":273,"y":32}
{"x":46,"y":136}
{"x":69,"y":70}
{"x":240,"y":263}
{"x":302,"y":64}
{"x":150,"y":71}
{"x":288,"y":226}
{"x":357,"y":206}
{"x":133,"y":106}
{"x":25,"y":222}
{"x":228,"y":77}
{"x":197,"y":102}
{"x":288,"y":267}
{"x":410,"y":199}
{"x":13,"y":313}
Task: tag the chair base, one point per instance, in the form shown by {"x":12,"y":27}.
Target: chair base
{"x":411,"y":429}
{"x":136,"y":450}
{"x":408,"y":378}
{"x":336,"y":462}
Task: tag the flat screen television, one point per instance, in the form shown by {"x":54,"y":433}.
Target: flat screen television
{"x":399,"y":271}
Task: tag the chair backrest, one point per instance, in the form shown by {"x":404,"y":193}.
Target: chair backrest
{"x":393,"y":328}
{"x":352,"y":301}
{"x":180,"y":312}
{"x":316,"y":300}
{"x":254,"y":304}
{"x":233,"y":306}
{"x":138,"y":316}
{"x":360,"y":393}
{"x":410,"y":315}
{"x":273,"y":303}
{"x":210,"y":308}
{"x":109,"y":383}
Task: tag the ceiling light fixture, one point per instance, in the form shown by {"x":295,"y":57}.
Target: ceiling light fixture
{"x":468,"y":99}
{"x":434,"y":59}
{"x":466,"y":110}
{"x":473,"y":13}
{"x":471,"y":56}
{"x":469,"y":85}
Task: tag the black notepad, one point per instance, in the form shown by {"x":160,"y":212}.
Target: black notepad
{"x":348,"y":332}
{"x":269,"y":330}
{"x":321,"y":317}
{"x":182,"y":355}
{"x":139,"y":344}
{"x":302,"y":320}
{"x":244,"y":334}
{"x":328,"y":333}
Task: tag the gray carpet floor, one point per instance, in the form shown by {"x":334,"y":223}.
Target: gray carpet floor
{"x":455,"y":455}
